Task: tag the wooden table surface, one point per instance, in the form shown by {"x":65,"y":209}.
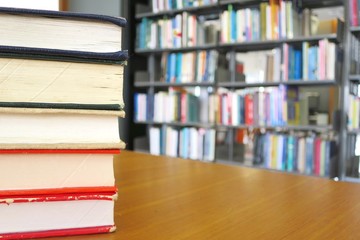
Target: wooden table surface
{"x":167,"y":198}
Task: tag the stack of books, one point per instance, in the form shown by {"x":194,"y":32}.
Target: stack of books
{"x":61,"y":80}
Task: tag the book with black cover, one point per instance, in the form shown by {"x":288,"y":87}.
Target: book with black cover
{"x":62,"y":34}
{"x":46,"y":83}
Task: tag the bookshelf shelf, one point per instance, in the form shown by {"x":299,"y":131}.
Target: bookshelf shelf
{"x":200,"y":9}
{"x":321,"y":3}
{"x":354,"y":78}
{"x":281,"y":128}
{"x":244,"y":84}
{"x":355,"y":29}
{"x":179,"y":124}
{"x":240,"y":3}
{"x":208,"y":8}
{"x":182,"y":49}
{"x":165,"y":84}
{"x":271,"y":84}
{"x":310,"y":82}
{"x":246,"y":46}
{"x":353,"y":131}
{"x":273,"y":43}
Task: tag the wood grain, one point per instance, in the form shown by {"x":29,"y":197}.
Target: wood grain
{"x":167,"y":198}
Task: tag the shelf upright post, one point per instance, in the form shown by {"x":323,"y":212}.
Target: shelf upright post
{"x":344,"y":95}
{"x":232,"y":66}
{"x":151,"y":90}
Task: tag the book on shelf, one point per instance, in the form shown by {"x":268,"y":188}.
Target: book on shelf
{"x":53,"y":33}
{"x":353,"y":112}
{"x":354,"y":12}
{"x":46,"y":215}
{"x":187,"y":142}
{"x":259,"y":66}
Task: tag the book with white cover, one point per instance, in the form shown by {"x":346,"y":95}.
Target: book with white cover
{"x":51,"y":170}
{"x":46,"y":215}
{"x":59,"y":131}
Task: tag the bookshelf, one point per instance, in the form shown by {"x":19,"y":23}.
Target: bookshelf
{"x":228,"y":79}
{"x":349,"y":166}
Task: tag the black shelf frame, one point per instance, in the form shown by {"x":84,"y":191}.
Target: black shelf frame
{"x":274,"y":84}
{"x":240,"y":46}
{"x":313,"y":128}
{"x":200,"y":9}
{"x":215,"y":7}
{"x":279,"y":128}
{"x":166,"y":84}
{"x":354,"y":78}
{"x":179,"y":124}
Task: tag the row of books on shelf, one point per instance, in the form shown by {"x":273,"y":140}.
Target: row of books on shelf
{"x":191,"y":143}
{"x":272,"y":21}
{"x":271,"y":106}
{"x":184,"y":30}
{"x":165,"y":5}
{"x":231,"y":26}
{"x":287,"y":152}
{"x":187,"y":67}
{"x":305,"y":62}
{"x":293,"y":152}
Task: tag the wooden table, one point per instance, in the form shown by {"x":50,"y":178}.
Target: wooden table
{"x":167,"y":198}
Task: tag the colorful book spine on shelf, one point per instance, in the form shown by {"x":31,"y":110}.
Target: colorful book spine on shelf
{"x":189,"y":67}
{"x":309,"y":155}
{"x":185,"y":142}
{"x":182,"y":30}
{"x":59,"y":125}
{"x":271,"y":20}
{"x":354,"y":12}
{"x":173,"y":107}
{"x":253,"y":107}
{"x":310,"y":62}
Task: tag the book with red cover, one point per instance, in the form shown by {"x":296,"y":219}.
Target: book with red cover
{"x":317,"y":156}
{"x":45,"y":215}
{"x":249,"y":109}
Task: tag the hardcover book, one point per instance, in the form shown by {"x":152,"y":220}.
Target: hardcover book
{"x":63,"y":34}
{"x":43,"y":83}
{"x":19,"y":130}
{"x":54,"y":170}
{"x":46,"y":215}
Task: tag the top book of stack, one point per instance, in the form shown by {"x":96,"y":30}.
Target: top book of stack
{"x":61,"y":60}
